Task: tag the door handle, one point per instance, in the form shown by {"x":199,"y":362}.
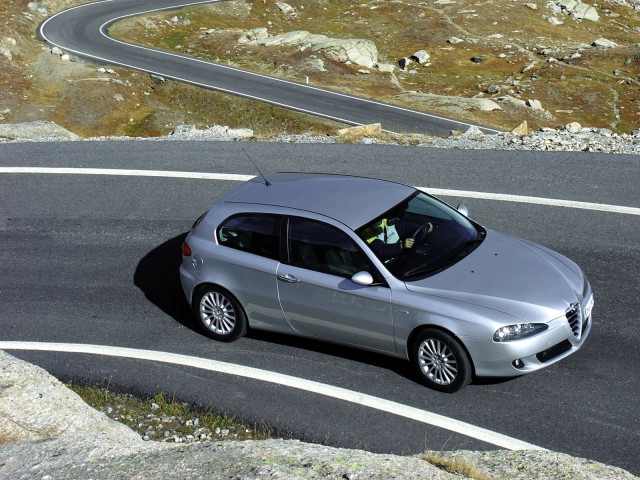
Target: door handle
{"x":288,"y":278}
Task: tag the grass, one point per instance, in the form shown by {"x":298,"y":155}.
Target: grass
{"x":457,"y":467}
{"x":153,"y":416}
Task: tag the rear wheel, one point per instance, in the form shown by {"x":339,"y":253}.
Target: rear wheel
{"x":219,"y":314}
{"x":441,"y":361}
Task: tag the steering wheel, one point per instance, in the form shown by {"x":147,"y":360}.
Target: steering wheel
{"x":420,"y":237}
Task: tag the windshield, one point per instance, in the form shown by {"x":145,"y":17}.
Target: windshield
{"x":439,"y":236}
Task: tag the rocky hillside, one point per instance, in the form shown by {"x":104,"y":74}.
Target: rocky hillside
{"x":495,"y":62}
{"x":47,"y":431}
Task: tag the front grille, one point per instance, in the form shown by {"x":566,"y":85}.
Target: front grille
{"x":553,"y":352}
{"x":574,"y":317}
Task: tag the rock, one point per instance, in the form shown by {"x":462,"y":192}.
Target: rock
{"x":535,"y":104}
{"x":567,"y":4}
{"x":454,"y":40}
{"x":286,"y":9}
{"x":474,"y":133}
{"x":6,"y":52}
{"x":38,"y":8}
{"x":253,"y":35}
{"x":314,"y":64}
{"x":421,"y":56}
{"x":403,"y":63}
{"x":360,"y":52}
{"x":573,"y":127}
{"x":38,"y":130}
{"x":585,"y":11}
{"x":157,"y":79}
{"x":603,"y":42}
{"x":521,"y":129}
{"x":385,"y":67}
{"x":352,"y":133}
{"x":458,"y":104}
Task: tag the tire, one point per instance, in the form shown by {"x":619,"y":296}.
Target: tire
{"x":441,"y":361}
{"x":219,"y":314}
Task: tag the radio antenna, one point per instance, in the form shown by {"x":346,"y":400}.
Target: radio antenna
{"x":266,"y":182}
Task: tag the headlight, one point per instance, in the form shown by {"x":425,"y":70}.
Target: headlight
{"x":518,"y":331}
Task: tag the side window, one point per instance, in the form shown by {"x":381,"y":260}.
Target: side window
{"x":253,"y":233}
{"x":323,"y":248}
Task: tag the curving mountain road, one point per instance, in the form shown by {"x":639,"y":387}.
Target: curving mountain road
{"x":82,"y":31}
{"x":89,"y":246}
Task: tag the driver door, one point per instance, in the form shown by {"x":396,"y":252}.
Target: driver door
{"x":317,"y":295}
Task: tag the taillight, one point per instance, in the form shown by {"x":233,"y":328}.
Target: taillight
{"x":186,"y":250}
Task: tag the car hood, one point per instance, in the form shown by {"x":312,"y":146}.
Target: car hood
{"x":510,"y":275}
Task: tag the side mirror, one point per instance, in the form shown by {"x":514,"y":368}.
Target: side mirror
{"x":462,"y":208}
{"x":362,"y":278}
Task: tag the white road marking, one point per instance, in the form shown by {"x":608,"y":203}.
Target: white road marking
{"x":178,"y":4}
{"x":339,"y":393}
{"x":553,"y":202}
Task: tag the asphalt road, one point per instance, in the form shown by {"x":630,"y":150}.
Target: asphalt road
{"x":82,"y":31}
{"x":92,"y":259}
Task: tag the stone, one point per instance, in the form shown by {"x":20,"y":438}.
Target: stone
{"x":584,"y":11}
{"x":316,"y":64}
{"x":360,"y":131}
{"x":385,"y":67}
{"x":286,"y":9}
{"x":474,"y":133}
{"x":421,"y":56}
{"x":403,"y":63}
{"x":522,"y":129}
{"x":535,"y":104}
{"x":573,"y":127}
{"x":568,"y":4}
{"x":6,"y":52}
{"x":360,"y":52}
{"x":253,"y":35}
{"x":603,"y":42}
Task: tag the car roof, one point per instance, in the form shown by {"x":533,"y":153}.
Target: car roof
{"x":351,"y":200}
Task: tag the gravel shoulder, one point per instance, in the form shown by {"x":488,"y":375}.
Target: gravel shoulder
{"x":573,"y":137}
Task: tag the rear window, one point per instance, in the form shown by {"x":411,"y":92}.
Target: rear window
{"x":253,"y":233}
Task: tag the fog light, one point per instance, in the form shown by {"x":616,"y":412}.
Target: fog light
{"x":518,"y":363}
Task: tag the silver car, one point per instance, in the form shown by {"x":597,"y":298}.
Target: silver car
{"x":384,"y":267}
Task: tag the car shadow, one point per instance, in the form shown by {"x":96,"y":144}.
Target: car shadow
{"x":158,"y":277}
{"x":396,"y":365}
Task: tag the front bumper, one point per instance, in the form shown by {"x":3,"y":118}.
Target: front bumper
{"x":496,"y":359}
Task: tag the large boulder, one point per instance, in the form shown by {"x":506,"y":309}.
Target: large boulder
{"x":357,"y":51}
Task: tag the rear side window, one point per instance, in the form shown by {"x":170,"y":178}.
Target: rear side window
{"x":253,"y":233}
{"x":323,"y":248}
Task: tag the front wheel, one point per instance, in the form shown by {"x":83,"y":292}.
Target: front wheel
{"x":219,"y":314}
{"x":441,"y":361}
